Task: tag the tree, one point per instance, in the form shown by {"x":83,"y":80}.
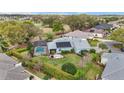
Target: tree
{"x":57,"y":26}
{"x":49,"y":36}
{"x":17,"y":32}
{"x":92,"y":51}
{"x":103,"y":46}
{"x":69,"y":68}
{"x":80,"y":21}
{"x":96,"y":57}
{"x":117,"y":35}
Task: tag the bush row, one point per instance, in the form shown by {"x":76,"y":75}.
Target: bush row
{"x":21,"y":50}
{"x":16,"y":54}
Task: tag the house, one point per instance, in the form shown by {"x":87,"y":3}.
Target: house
{"x":68,"y":43}
{"x":60,"y":44}
{"x":100,"y":33}
{"x":104,"y":26}
{"x":79,"y":34}
{"x":40,"y":48}
{"x":11,"y":70}
{"x":99,"y":30}
{"x":114,"y":69}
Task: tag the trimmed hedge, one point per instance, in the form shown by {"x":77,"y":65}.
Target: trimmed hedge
{"x":57,"y":73}
{"x":69,"y":68}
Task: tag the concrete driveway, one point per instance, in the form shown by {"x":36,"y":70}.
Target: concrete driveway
{"x":110,"y":44}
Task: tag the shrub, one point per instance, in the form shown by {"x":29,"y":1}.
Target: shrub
{"x":56,"y":72}
{"x":92,"y":51}
{"x":69,"y":68}
{"x":65,"y":52}
{"x":83,"y":52}
{"x":109,"y":51}
{"x":21,"y":50}
{"x":103,"y":46}
{"x":96,"y":57}
{"x":31,"y":77}
{"x":46,"y":77}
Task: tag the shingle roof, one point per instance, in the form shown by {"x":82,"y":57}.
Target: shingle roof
{"x":104,"y":26}
{"x":80,"y":34}
{"x":39,"y":43}
{"x":114,"y":69}
{"x":9,"y":69}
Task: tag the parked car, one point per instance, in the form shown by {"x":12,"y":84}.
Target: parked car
{"x":122,"y":49}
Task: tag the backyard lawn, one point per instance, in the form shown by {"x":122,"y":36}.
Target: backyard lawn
{"x":91,"y":70}
{"x":68,"y":58}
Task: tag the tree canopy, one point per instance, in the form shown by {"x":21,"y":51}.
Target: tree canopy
{"x":18,"y":31}
{"x":118,"y":35}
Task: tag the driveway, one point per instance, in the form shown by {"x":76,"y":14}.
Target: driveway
{"x":110,"y":44}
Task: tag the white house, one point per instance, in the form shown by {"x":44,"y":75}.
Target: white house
{"x":67,"y":44}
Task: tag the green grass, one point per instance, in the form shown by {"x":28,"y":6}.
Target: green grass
{"x":91,"y":70}
{"x":92,"y":42}
{"x":68,"y":58}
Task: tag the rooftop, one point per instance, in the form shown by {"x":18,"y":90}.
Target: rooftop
{"x":39,"y":43}
{"x":10,"y":69}
{"x":114,"y":69}
{"x":104,"y":26}
{"x":79,"y":34}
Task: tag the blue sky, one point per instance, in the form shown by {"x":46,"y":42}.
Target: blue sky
{"x":76,"y":13}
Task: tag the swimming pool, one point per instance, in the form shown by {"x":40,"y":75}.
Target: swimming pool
{"x":39,"y":49}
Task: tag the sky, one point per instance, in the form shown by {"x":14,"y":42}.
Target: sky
{"x":76,"y":13}
{"x":66,"y":13}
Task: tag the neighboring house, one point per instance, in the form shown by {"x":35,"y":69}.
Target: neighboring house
{"x":104,"y":26}
{"x":67,"y":44}
{"x":87,"y":34}
{"x":79,"y":34}
{"x":114,"y":69}
{"x":11,"y":70}
{"x":100,"y":33}
{"x":99,"y":30}
{"x":40,"y":48}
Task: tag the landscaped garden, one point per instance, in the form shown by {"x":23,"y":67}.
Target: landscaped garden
{"x":93,"y":42}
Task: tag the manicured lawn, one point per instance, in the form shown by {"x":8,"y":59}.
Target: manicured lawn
{"x":68,"y":58}
{"x":91,"y":70}
{"x":93,"y":42}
